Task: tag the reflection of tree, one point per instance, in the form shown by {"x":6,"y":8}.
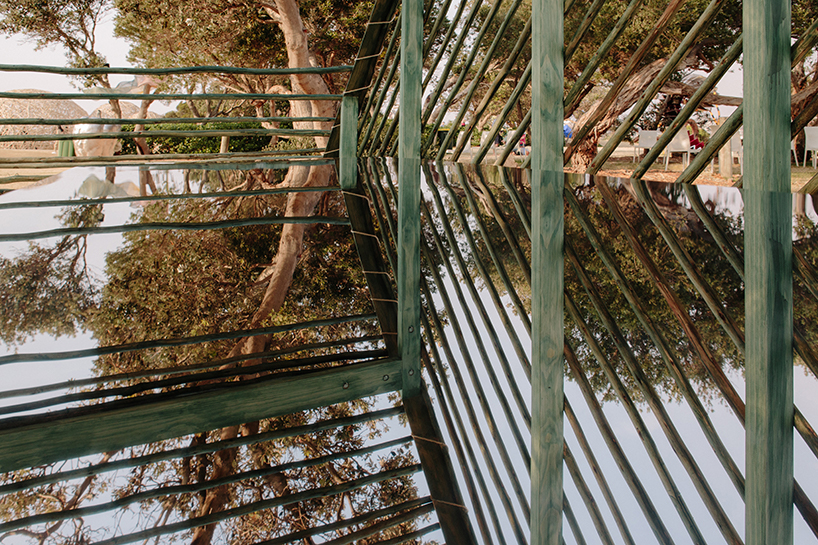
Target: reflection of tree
{"x":705,"y":255}
{"x":690,"y":233}
{"x":48,"y":289}
{"x":166,"y":284}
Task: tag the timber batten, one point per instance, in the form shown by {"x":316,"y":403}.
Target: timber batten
{"x":462,"y":278}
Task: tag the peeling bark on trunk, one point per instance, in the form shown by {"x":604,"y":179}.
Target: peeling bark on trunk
{"x":631,"y":92}
{"x":286,"y":13}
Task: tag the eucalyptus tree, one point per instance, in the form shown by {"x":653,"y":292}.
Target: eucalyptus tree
{"x":69,"y":24}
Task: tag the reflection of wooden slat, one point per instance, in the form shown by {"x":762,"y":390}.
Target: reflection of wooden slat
{"x":254,"y":507}
{"x":199,"y":449}
{"x":597,"y":471}
{"x":118,"y":425}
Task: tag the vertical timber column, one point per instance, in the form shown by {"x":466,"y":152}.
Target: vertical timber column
{"x":411,"y":62}
{"x":348,"y":148}
{"x":768,"y":258}
{"x":547,"y":181}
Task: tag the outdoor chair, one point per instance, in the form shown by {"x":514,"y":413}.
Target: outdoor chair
{"x":794,"y":155}
{"x":810,"y":143}
{"x":645,"y":140}
{"x":679,"y":144}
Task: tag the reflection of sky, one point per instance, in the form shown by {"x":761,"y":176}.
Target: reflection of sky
{"x":726,"y":201}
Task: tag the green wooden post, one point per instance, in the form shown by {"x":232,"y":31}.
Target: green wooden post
{"x":768,"y":251}
{"x":547,"y":268}
{"x":348,"y":160}
{"x":411,"y":46}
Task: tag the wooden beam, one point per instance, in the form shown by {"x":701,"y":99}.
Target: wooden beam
{"x":547,"y":268}
{"x":409,"y":136}
{"x":768,"y":253}
{"x":348,"y":161}
{"x":41,"y":440}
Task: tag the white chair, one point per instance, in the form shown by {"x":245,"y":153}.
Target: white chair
{"x":646,"y":140}
{"x":810,"y":143}
{"x":794,"y":155}
{"x":737,"y":149}
{"x":679,"y":144}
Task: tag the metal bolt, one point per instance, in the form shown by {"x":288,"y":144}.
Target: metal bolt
{"x":346,"y":386}
{"x":411,"y":329}
{"x":385,"y":378}
{"x":411,"y":372}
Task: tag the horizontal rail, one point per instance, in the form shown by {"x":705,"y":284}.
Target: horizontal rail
{"x":268,"y":355}
{"x":192,"y":488}
{"x":162,"y":134}
{"x":111,"y":426}
{"x":196,"y":450}
{"x":213,"y":195}
{"x":178,"y":341}
{"x":157,"y":120}
{"x":187,"y":161}
{"x":173,"y":71}
{"x":186,"y":379}
{"x":287,"y":499}
{"x":167,"y":96}
{"x":169,"y":226}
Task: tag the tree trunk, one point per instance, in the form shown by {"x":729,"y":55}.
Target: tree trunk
{"x":292,"y":236}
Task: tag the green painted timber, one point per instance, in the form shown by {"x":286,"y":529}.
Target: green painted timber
{"x":377,"y":28}
{"x":377,"y":193}
{"x":583,"y":27}
{"x":518,"y":91}
{"x":169,"y":226}
{"x":409,"y":341}
{"x":347,"y":523}
{"x":438,"y":469}
{"x":587,"y":496}
{"x":464,"y":67}
{"x":768,"y":254}
{"x":33,"y":441}
{"x":685,"y":47}
{"x":191,"y":378}
{"x":211,"y":158}
{"x":598,"y":475}
{"x":348,"y":161}
{"x":192,"y":488}
{"x":634,"y":62}
{"x":180,"y":369}
{"x":374,"y":86}
{"x":499,"y":37}
{"x":167,"y":96}
{"x":499,"y":79}
{"x":630,"y":474}
{"x":269,"y":503}
{"x":170,"y":71}
{"x":160,"y":134}
{"x":687,"y":110}
{"x":204,"y":448}
{"x":178,"y":341}
{"x":154,"y":198}
{"x":574,"y":95}
{"x":491,"y":334}
{"x":465,"y":397}
{"x":547,"y":283}
{"x":155,"y":121}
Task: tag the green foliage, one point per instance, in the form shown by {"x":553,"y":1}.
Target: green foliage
{"x":49,"y":289}
{"x":67,"y":23}
{"x":193,"y":145}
